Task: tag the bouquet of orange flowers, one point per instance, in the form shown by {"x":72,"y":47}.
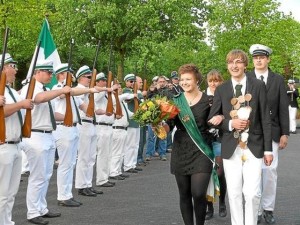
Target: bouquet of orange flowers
{"x":154,"y":112}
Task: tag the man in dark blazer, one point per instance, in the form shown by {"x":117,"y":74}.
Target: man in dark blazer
{"x":246,"y":141}
{"x":278,"y":104}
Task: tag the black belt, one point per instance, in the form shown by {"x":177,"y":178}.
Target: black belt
{"x":87,"y":121}
{"x":74,"y":124}
{"x":12,"y":142}
{"x":104,"y":124}
{"x":119,"y":127}
{"x":42,"y":131}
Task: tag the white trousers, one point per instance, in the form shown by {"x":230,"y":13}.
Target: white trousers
{"x":104,"y":148}
{"x":86,"y":155}
{"x":66,"y":139}
{"x":131,"y":148}
{"x":293,"y":114}
{"x":40,"y":151}
{"x":269,"y":182}
{"x":25,"y":165}
{"x":243,"y":178}
{"x":10,"y":174}
{"x":118,"y":145}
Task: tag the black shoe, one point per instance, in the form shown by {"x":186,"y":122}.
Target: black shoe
{"x":118,"y":177}
{"x":111,"y":182}
{"x":131,"y":171}
{"x":98,"y":192}
{"x":138,"y":168}
{"x":124,"y":175}
{"x":25,"y":174}
{"x":74,"y":200}
{"x":259,"y":218}
{"x":222,"y":210}
{"x":210,"y":211}
{"x":107,"y":184}
{"x":38,"y":220}
{"x":68,"y":203}
{"x":269,"y":218}
{"x":86,"y":192}
{"x":50,"y":214}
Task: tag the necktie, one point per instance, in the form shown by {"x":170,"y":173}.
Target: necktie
{"x":51,"y":112}
{"x":238,"y":90}
{"x":262,"y":78}
{"x":77,"y":112}
{"x":13,"y":97}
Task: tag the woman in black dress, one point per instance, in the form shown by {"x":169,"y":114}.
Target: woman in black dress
{"x":192,"y":158}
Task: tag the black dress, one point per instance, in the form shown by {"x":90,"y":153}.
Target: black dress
{"x":186,"y":158}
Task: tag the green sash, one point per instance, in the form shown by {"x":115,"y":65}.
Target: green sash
{"x":188,"y":120}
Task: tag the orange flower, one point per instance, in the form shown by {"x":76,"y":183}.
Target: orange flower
{"x":168,"y":109}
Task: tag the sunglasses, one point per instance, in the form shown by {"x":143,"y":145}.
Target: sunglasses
{"x":15,"y":66}
{"x":88,"y":77}
{"x":131,"y":81}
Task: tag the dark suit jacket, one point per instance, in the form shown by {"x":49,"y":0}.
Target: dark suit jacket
{"x":292,"y":96}
{"x":260,"y":123}
{"x":278,"y":103}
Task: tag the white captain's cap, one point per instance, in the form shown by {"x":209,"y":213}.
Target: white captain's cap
{"x":258,"y":49}
{"x":101,"y":76}
{"x":62,"y":67}
{"x":46,"y":65}
{"x":83,"y":70}
{"x":130,"y":76}
{"x":291,"y":81}
{"x":155,"y":78}
{"x":7,"y":59}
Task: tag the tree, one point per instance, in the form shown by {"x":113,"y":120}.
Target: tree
{"x":132,"y":26}
{"x":239,"y":24}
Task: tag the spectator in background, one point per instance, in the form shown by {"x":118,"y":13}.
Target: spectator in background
{"x":214,"y":79}
{"x":293,"y":94}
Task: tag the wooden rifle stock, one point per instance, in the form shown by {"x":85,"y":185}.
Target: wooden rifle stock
{"x":68,"y":120}
{"x":145,"y":86}
{"x":90,"y":112}
{"x":26,"y":129}
{"x":2,"y":89}
{"x":2,"y":116}
{"x":109,"y":107}
{"x":118,"y":113}
{"x":136,"y":101}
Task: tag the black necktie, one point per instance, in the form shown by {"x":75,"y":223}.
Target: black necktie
{"x":262,"y":78}
{"x":51,"y":112}
{"x":77,"y":112}
{"x":238,"y":90}
{"x":13,"y":97}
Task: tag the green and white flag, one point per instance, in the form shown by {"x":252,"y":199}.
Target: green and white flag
{"x":47,"y":50}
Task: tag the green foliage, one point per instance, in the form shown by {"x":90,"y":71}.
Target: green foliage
{"x":151,"y":37}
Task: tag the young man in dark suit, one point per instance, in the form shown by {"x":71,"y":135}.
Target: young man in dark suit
{"x":245,"y":145}
{"x":279,"y":112}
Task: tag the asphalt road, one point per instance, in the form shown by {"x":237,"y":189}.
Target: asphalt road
{"x":150,"y":198}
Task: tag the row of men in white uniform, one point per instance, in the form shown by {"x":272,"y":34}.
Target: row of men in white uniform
{"x":100,"y":138}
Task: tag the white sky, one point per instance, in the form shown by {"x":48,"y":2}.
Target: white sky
{"x":291,"y":6}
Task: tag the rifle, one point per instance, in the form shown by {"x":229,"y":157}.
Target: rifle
{"x":26,"y":129}
{"x":136,"y":101}
{"x":109,"y":107}
{"x":2,"y":88}
{"x":118,"y":113}
{"x":68,"y":120}
{"x":145,"y":87}
{"x":90,"y":112}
